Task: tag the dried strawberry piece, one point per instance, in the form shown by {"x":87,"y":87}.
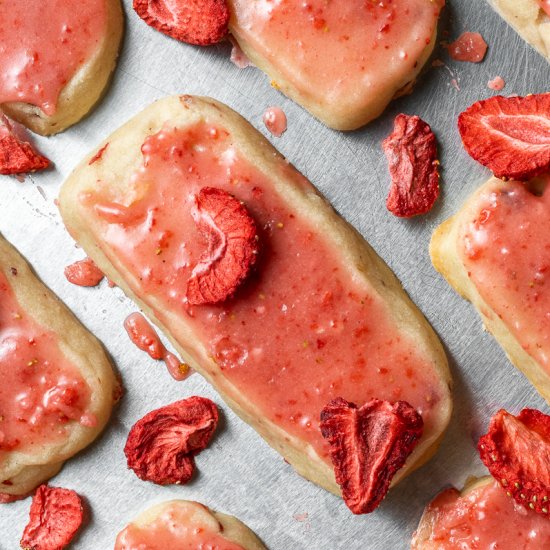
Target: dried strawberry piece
{"x":509,"y":135}
{"x":411,"y":150}
{"x":55,"y":516}
{"x":16,"y":155}
{"x":516,"y":450}
{"x":232,"y":246}
{"x":200,"y":22}
{"x":83,"y":273}
{"x":162,"y":445}
{"x":368,"y":445}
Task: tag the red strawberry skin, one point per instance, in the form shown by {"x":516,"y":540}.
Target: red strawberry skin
{"x":17,"y":156}
{"x":199,"y":22}
{"x":411,"y":151}
{"x":516,"y":450}
{"x":509,"y":135}
{"x":232,"y":247}
{"x":368,"y":445}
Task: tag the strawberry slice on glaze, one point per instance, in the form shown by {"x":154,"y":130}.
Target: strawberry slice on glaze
{"x":368,"y":445}
{"x":516,"y":450}
{"x":232,"y":247}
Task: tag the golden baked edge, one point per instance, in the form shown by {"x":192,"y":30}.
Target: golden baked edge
{"x":444,"y":252}
{"x":26,"y":470}
{"x":123,"y":156}
{"x":83,"y":91}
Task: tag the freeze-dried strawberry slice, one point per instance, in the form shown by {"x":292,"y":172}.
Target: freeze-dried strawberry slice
{"x":232,"y":246}
{"x":161,"y":446}
{"x":55,"y":516}
{"x":368,"y":445}
{"x":516,"y":450}
{"x":17,"y":156}
{"x":509,"y":135}
{"x":411,"y":150}
{"x":200,"y":22}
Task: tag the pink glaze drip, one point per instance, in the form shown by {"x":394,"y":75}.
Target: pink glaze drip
{"x":144,"y":336}
{"x":275,"y":121}
{"x":40,"y":391}
{"x":238,"y":57}
{"x":469,"y":46}
{"x":506,"y":251}
{"x":497,"y":83}
{"x":83,"y":273}
{"x":42,"y":46}
{"x":330,"y":50}
{"x":486,"y":518}
{"x":175,"y":528}
{"x":545,"y":5}
{"x":301,"y":330}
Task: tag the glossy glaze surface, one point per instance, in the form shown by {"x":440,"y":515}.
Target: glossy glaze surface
{"x":486,"y":518}
{"x":335,"y":49}
{"x":506,"y":251}
{"x":301,"y":330}
{"x":41,"y":391}
{"x":43,"y":44}
{"x":177,"y":528}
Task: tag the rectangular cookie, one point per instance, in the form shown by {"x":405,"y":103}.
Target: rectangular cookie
{"x":320,"y":316}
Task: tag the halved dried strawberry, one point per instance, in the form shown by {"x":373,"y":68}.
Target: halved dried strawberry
{"x":509,"y":135}
{"x":16,"y":155}
{"x":411,"y":150}
{"x":200,"y":22}
{"x":55,"y":516}
{"x":368,"y":445}
{"x":517,"y":452}
{"x":232,"y":246}
{"x":162,"y":445}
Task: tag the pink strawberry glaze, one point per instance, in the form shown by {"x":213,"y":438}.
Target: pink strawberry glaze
{"x":42,"y":46}
{"x":301,"y":330}
{"x":469,"y":46}
{"x":144,"y":336}
{"x":497,"y":83}
{"x":41,"y":391}
{"x":275,"y":121}
{"x":176,"y":527}
{"x":506,"y":251}
{"x":330,"y":50}
{"x":485,"y":518}
{"x":545,"y":5}
{"x":84,"y":273}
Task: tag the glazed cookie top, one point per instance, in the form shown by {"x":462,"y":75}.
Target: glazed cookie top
{"x":41,"y":390}
{"x":42,"y":46}
{"x":337,"y":49}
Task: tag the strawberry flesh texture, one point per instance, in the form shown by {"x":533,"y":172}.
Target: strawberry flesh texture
{"x":17,"y":156}
{"x":231,"y":251}
{"x":510,"y":136}
{"x":199,"y":22}
{"x":516,"y":450}
{"x":162,"y":445}
{"x":411,"y":150}
{"x":55,"y":516}
{"x":368,"y":445}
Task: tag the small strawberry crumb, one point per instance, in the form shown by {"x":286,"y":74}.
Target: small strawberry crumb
{"x":301,"y":517}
